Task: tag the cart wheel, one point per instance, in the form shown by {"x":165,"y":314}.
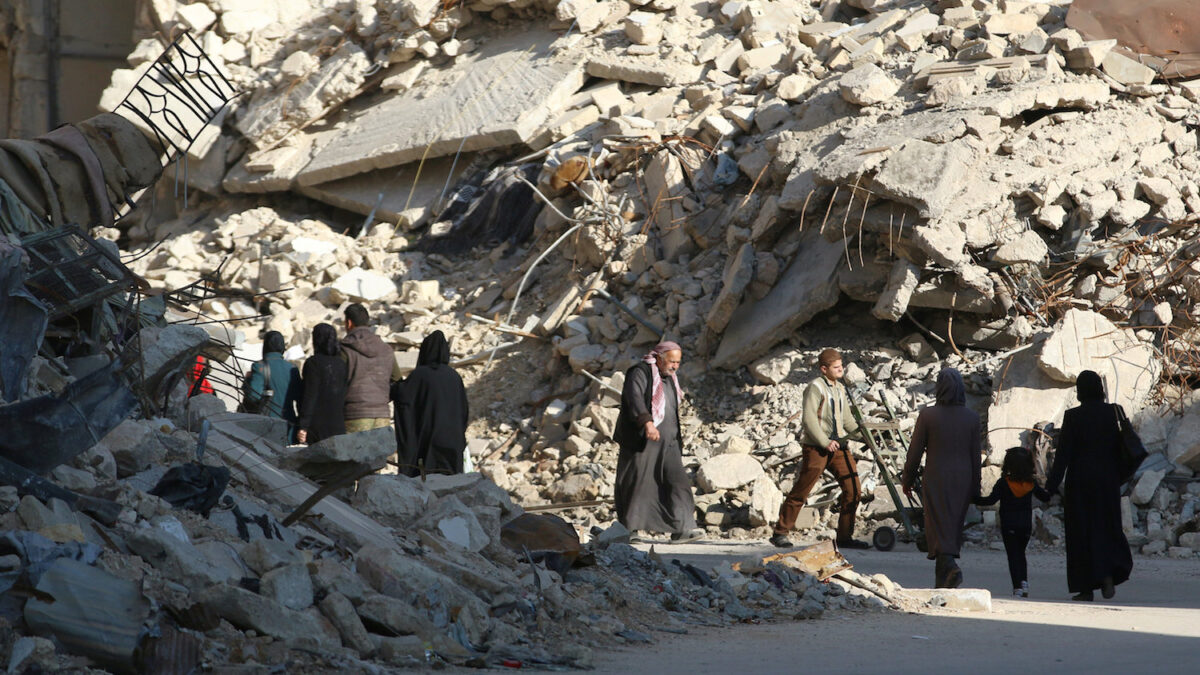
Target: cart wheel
{"x":884,"y":538}
{"x":922,"y":543}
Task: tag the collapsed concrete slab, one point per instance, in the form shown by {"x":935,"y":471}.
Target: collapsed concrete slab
{"x":927,"y":175}
{"x":501,"y":96}
{"x":809,"y":285}
{"x":408,"y":195}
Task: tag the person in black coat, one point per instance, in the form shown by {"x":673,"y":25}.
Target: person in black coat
{"x":1015,"y":491}
{"x":431,"y":412}
{"x":324,"y":380}
{"x":1089,"y":456}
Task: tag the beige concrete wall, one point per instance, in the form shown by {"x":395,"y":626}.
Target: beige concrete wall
{"x":57,"y":58}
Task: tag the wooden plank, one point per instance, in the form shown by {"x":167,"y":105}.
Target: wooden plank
{"x":821,"y":560}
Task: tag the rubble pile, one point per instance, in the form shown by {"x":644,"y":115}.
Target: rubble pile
{"x":557,"y":186}
{"x":976,"y":184}
{"x":409,"y":572}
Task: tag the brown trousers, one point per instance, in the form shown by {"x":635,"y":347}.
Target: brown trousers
{"x":813,"y":463}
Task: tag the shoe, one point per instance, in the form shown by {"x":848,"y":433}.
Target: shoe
{"x":781,"y":541}
{"x":954,"y":578}
{"x":1085,"y":596}
{"x":853,"y":543}
{"x":1107,"y":589}
{"x":684,"y":537}
{"x":1024,"y":589}
{"x":1016,"y":592}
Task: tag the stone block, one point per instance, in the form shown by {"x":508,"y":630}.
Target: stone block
{"x":765,"y":500}
{"x":727,"y":472}
{"x":340,"y":612}
{"x":360,"y":285}
{"x":1143,"y":490}
{"x":1126,"y":70}
{"x":177,"y":559}
{"x":969,"y":599}
{"x":576,"y":487}
{"x":867,"y":84}
{"x":392,"y":496}
{"x":455,"y":522}
{"x":289,"y":585}
{"x":734,"y":445}
{"x":1086,"y":340}
{"x":250,"y":611}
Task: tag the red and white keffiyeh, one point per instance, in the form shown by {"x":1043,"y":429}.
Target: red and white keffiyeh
{"x":658,"y":397}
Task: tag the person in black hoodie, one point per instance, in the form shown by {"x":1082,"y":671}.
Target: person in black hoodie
{"x":1015,"y":491}
{"x":324,"y":379}
{"x":431,"y":412}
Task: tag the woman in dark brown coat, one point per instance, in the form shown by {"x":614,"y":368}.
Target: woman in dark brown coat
{"x":947,"y":434}
{"x":1097,"y":551}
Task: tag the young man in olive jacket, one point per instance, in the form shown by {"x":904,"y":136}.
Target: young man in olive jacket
{"x":827,"y":424}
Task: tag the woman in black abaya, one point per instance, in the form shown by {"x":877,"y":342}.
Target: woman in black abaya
{"x":431,"y":412}
{"x":1088,"y":454}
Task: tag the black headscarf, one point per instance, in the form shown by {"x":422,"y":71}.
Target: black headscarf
{"x":950,"y":388}
{"x":434,"y":350}
{"x":1089,"y":387}
{"x":325,"y":340}
{"x":273,"y":342}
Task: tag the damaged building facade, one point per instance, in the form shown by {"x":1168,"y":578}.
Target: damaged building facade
{"x":1003,"y":187}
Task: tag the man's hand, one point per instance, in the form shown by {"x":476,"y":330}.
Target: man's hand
{"x":651,"y":432}
{"x":302,"y":436}
{"x":833,"y":446}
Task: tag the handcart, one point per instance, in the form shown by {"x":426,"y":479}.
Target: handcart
{"x":887,"y":440}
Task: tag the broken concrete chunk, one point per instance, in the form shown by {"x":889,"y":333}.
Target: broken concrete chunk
{"x":363,"y":286}
{"x":728,"y":472}
{"x":264,"y":555}
{"x":867,"y":85}
{"x":902,"y":281}
{"x":392,"y":496}
{"x":340,"y":612}
{"x":739,"y":271}
{"x":455,"y":522}
{"x":808,"y":286}
{"x":927,"y":175}
{"x":1027,"y":247}
{"x":1085,"y":340}
{"x":289,"y":585}
{"x":179,"y":560}
{"x":250,"y":611}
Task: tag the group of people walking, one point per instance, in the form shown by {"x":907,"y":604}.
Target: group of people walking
{"x":652,"y":491}
{"x":355,"y":384}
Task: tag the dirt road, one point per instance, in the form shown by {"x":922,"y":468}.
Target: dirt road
{"x":1151,"y":626}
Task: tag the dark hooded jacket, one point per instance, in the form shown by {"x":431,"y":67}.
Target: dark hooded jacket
{"x":369,"y":366}
{"x":324,"y":387}
{"x":947,"y":435}
{"x":431,"y":412}
{"x":1088,"y":458}
{"x":286,"y":387}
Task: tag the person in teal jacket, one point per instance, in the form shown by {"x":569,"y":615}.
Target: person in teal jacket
{"x":287,"y":389}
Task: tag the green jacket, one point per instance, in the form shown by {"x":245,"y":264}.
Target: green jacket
{"x":822,"y":402}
